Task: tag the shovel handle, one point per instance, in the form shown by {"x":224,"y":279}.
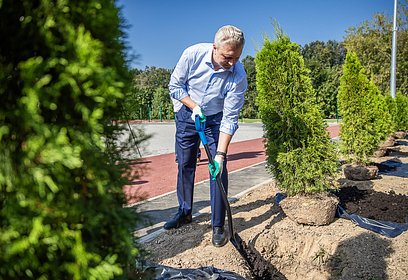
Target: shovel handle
{"x":200,"y":127}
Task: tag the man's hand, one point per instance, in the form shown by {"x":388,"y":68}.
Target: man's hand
{"x":217,"y":167}
{"x":197,"y":111}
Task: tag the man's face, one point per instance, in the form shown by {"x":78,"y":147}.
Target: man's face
{"x":226,"y":56}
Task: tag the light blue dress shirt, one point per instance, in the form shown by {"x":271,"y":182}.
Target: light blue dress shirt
{"x":214,"y":91}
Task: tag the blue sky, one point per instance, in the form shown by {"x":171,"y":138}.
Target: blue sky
{"x":160,"y":29}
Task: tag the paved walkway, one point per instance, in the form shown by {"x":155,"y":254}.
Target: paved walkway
{"x":157,"y":180}
{"x":158,"y":173}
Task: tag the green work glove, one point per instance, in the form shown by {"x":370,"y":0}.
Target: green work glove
{"x":217,"y":167}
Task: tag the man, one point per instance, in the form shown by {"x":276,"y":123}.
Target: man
{"x":210,"y":82}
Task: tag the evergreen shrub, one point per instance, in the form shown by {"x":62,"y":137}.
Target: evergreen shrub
{"x":401,"y":116}
{"x":392,"y":109}
{"x":366,"y":119}
{"x":62,"y":78}
{"x":299,"y":151}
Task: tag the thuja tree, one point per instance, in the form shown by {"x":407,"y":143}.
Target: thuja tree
{"x":366,"y":120}
{"x":380,"y":114}
{"x":391,"y":104}
{"x":62,"y":74}
{"x":398,"y":108}
{"x":401,"y":115}
{"x":299,"y":151}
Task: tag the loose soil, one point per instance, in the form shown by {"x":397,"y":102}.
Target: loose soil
{"x":287,"y":250}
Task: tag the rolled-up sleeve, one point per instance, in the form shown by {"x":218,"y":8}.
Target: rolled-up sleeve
{"x":233,"y":103}
{"x":177,"y":84}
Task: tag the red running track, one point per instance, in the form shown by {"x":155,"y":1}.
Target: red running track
{"x":156,"y":175}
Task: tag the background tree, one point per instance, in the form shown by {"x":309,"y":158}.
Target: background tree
{"x":148,"y":85}
{"x":250,"y":108}
{"x":299,"y":151}
{"x":324,"y":61}
{"x":62,"y":78}
{"x":161,"y":107}
{"x":371,"y":41}
{"x":134,"y":106}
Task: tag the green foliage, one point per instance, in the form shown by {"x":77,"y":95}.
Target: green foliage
{"x":308,"y":168}
{"x":391,"y":105}
{"x":149,"y":97}
{"x":328,"y":53}
{"x":161,"y":107}
{"x":401,"y":116}
{"x":324,"y":59}
{"x":62,"y":74}
{"x":372,"y":42}
{"x":300,"y":153}
{"x":366,"y":120}
{"x":327,"y":91}
{"x":380,"y":114}
{"x":250,"y":108}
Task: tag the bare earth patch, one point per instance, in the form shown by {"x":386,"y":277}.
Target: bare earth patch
{"x":340,"y":250}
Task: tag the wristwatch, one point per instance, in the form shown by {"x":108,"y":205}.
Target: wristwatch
{"x":221,"y":154}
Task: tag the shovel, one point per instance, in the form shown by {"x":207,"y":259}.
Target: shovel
{"x":234,"y":238}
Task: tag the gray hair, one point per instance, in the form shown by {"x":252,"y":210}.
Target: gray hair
{"x":229,"y":35}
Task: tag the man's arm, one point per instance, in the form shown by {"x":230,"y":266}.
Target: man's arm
{"x":188,"y":102}
{"x":178,"y":78}
{"x":232,"y":106}
{"x":233,"y":102}
{"x":177,"y":85}
{"x":224,"y":142}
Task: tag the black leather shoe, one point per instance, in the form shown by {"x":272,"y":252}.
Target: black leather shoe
{"x":219,"y":239}
{"x":178,"y":220}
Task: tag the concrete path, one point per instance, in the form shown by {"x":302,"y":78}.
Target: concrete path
{"x":163,"y":136}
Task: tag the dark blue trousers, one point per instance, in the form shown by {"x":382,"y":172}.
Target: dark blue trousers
{"x":187,"y":143}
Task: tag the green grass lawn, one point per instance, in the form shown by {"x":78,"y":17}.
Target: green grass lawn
{"x":243,"y":120}
{"x":332,"y":120}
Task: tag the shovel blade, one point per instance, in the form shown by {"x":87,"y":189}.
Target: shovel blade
{"x":242,"y":248}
